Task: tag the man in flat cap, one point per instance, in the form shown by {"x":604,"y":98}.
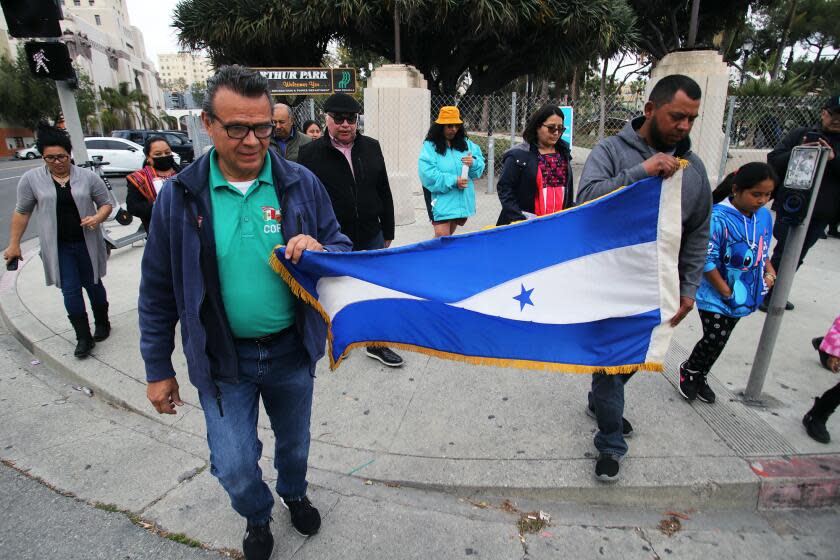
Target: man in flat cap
{"x":352,"y":169}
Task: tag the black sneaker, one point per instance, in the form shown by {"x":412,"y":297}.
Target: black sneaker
{"x":607,"y":467}
{"x":765,"y":305}
{"x":689,"y":382}
{"x":258,"y":542}
{"x":704,"y":392}
{"x":385,"y":355}
{"x":626,"y":426}
{"x":305,"y":518}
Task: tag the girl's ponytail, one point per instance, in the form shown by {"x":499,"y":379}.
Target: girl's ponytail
{"x":744,"y":178}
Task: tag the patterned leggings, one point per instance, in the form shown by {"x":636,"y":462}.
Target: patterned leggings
{"x":716,"y":331}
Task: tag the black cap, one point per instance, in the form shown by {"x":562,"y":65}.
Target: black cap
{"x":832,"y":102}
{"x":341,"y":103}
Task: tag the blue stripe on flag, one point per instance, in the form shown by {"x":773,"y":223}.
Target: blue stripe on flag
{"x":608,"y":342}
{"x":462,"y":269}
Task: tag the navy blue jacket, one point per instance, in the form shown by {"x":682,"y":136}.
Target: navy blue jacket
{"x":180,"y":276}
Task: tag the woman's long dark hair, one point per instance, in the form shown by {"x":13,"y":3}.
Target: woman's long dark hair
{"x":537,"y":120}
{"x":48,"y":135}
{"x":743,"y":179}
{"x":435,"y":135}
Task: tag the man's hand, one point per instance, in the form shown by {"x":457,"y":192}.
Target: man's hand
{"x":834,"y":364}
{"x":300,"y":243}
{"x":388,"y":242}
{"x":462,"y":182}
{"x":662,"y":165}
{"x":686,"y":305}
{"x":12,"y":252}
{"x":164,"y":395}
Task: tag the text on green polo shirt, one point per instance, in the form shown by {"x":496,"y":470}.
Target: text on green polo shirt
{"x":247,"y":228}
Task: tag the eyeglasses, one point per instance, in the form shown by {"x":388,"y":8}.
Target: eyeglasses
{"x":240,"y":131}
{"x":61,"y":158}
{"x":553,"y":129}
{"x":349,"y":118}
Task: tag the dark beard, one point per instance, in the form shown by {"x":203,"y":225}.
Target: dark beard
{"x":657,"y":139}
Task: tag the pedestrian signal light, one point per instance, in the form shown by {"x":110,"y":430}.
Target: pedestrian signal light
{"x":32,"y":18}
{"x":49,"y":60}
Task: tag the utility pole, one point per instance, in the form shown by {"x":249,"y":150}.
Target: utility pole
{"x":692,"y":29}
{"x":397,"y":52}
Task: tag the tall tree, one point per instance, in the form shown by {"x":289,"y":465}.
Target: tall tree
{"x":25,"y":99}
{"x":493,"y":41}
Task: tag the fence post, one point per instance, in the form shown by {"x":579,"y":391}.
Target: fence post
{"x":726,"y":138}
{"x":312,"y":109}
{"x":512,"y":117}
{"x":491,"y":153}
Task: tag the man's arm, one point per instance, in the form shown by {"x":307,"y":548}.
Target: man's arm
{"x":156,"y":305}
{"x":695,"y":237}
{"x":780,"y":156}
{"x":386,"y":219}
{"x":600,"y":176}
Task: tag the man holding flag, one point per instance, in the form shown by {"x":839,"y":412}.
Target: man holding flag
{"x":650,"y":145}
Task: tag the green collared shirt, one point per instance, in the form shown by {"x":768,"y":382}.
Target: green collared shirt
{"x":247,"y":228}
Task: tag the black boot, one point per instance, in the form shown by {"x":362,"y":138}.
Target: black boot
{"x":814,"y":420}
{"x":84,"y":340}
{"x":102,"y":327}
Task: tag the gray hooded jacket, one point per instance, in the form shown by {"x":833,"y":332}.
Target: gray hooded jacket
{"x":617,"y":161}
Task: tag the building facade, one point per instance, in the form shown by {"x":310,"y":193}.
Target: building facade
{"x":189,"y":67}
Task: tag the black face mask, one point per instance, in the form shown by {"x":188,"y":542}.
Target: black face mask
{"x":163,"y":163}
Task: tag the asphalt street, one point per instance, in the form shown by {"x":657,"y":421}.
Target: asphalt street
{"x":10,"y":173}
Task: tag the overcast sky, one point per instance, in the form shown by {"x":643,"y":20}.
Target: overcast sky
{"x":154,"y":18}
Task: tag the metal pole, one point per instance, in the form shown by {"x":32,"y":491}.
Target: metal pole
{"x":781,"y":291}
{"x":312,"y":109}
{"x":692,"y":29}
{"x":491,"y":152}
{"x":71,"y":120}
{"x":397,"y":53}
{"x":726,"y":138}
{"x":512,"y":118}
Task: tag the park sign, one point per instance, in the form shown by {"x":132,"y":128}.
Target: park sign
{"x":284,"y":81}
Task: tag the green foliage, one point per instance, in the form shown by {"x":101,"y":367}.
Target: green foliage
{"x":119,"y":105}
{"x":198,"y":90}
{"x":493,"y":41}
{"x":25,"y":99}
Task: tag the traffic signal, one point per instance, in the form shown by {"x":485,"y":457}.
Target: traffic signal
{"x":49,"y":60}
{"x":32,"y":18}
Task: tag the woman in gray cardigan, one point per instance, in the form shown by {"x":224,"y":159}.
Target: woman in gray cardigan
{"x":70,"y":203}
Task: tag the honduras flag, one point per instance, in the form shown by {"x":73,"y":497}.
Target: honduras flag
{"x":592,"y":288}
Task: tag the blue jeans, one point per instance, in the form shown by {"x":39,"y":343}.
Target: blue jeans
{"x":607,"y":398}
{"x":281,"y":373}
{"x":76,"y":273}
{"x":377,"y":242}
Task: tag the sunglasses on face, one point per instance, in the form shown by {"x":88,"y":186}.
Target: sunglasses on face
{"x":553,"y":129}
{"x":61,"y":158}
{"x":349,"y":118}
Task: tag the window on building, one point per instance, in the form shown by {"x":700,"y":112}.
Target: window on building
{"x":77,"y":2}
{"x":91,"y":2}
{"x":98,"y":19}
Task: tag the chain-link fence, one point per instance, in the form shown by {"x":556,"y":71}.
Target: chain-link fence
{"x":750,"y":127}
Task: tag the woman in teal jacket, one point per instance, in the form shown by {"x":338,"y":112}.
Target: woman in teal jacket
{"x":449,"y":162}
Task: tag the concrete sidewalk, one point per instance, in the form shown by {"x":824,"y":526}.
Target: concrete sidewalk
{"x":475,"y":430}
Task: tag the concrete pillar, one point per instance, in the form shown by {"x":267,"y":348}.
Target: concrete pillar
{"x":709,"y":70}
{"x":397,"y":113}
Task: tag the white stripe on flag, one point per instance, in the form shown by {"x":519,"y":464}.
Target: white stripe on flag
{"x":616,"y":283}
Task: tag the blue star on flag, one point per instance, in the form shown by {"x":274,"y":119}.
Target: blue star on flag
{"x":524,"y":297}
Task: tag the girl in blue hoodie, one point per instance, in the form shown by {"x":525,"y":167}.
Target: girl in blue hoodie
{"x":737,"y":273}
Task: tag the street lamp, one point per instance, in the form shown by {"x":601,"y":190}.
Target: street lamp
{"x":746,"y":48}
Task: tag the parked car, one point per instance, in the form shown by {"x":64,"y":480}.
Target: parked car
{"x":179,"y":141}
{"x":123,"y":156}
{"x":28,"y":153}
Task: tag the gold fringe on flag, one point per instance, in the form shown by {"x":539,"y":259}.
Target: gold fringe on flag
{"x":280,"y":268}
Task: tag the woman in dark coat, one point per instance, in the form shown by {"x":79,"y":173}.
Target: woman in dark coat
{"x":144,"y":185}
{"x":536,"y":177}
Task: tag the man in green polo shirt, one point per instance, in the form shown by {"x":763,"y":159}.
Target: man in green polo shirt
{"x":245,"y":338}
